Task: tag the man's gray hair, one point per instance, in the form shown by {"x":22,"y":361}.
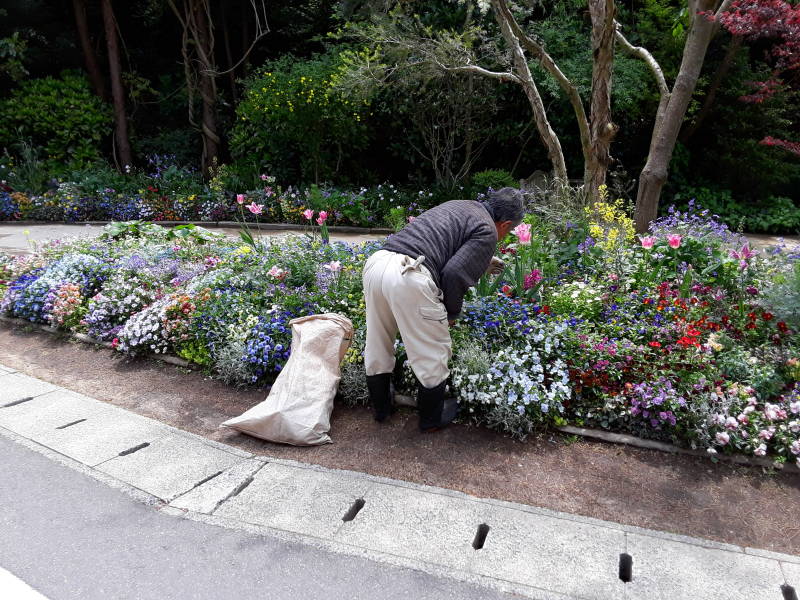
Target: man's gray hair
{"x":506,"y":204}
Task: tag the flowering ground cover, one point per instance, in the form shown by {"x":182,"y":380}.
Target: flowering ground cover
{"x":684,"y":335}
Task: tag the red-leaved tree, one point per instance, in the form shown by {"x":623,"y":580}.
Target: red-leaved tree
{"x":777,"y":23}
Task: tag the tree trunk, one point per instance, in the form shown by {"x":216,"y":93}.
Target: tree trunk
{"x":669,"y":121}
{"x":602,"y":127}
{"x":716,"y":83}
{"x":523,"y":72}
{"x":229,"y":55}
{"x":125,"y":157}
{"x":208,"y":86}
{"x":89,"y":57}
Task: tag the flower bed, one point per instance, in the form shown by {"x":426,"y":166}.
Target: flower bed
{"x":165,"y":192}
{"x":686,"y":335}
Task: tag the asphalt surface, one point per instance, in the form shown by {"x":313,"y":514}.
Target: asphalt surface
{"x":69,"y":536}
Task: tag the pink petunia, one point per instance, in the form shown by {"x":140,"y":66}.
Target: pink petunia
{"x":647,"y":241}
{"x":308,"y":214}
{"x":722,"y":438}
{"x":523,"y":233}
{"x":674,"y":240}
{"x":254,"y":208}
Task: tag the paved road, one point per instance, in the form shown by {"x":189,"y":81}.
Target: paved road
{"x":16,"y":239}
{"x":69,"y":536}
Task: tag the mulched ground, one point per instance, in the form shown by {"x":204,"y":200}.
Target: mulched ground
{"x":679,"y":494}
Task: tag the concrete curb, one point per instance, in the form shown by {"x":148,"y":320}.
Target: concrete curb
{"x":632,"y":440}
{"x":534,"y":552}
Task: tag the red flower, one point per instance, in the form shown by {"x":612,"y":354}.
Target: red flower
{"x":546,"y":309}
{"x":654,"y":344}
{"x":782,"y":327}
{"x":767,"y":316}
{"x":750,"y":326}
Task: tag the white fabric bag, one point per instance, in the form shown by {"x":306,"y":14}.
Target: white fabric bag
{"x":298,"y":408}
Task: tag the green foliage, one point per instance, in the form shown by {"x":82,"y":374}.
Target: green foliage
{"x":773,"y":215}
{"x":29,"y":173}
{"x":12,"y":57}
{"x":291,"y":116}
{"x":60,"y":115}
{"x":492,"y":178}
{"x":118,"y":230}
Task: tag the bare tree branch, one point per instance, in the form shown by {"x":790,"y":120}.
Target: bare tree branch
{"x":505,"y":76}
{"x":649,"y":59}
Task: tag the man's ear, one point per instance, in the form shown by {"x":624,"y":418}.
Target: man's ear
{"x":503,"y":227}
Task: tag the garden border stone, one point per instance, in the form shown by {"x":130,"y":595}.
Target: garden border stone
{"x":604,"y":436}
{"x":218,"y":224}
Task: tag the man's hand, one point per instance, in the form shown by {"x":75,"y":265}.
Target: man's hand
{"x":496,"y":266}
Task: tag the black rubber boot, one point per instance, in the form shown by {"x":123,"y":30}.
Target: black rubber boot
{"x":380,"y":395}
{"x":435,"y":412}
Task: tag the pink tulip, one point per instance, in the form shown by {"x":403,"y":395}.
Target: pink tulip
{"x":647,"y":242}
{"x":240,"y":198}
{"x":277,"y":272}
{"x":674,"y":240}
{"x":523,"y":233}
{"x":323,"y":215}
{"x":308,"y":214}
{"x":334,"y":266}
{"x":254,"y":208}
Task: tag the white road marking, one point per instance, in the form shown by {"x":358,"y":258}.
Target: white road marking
{"x":13,"y":588}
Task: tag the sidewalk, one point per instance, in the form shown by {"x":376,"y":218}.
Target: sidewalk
{"x":511,"y":547}
{"x":15,"y":238}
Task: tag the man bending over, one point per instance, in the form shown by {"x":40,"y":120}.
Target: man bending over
{"x":416,"y":284}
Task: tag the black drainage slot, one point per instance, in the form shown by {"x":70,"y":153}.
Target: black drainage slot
{"x":134,"y":449}
{"x":480,"y":536}
{"x":626,"y":567}
{"x":240,"y":488}
{"x":788,"y":592}
{"x":354,"y":510}
{"x":70,"y":424}
{"x":207,"y":479}
{"x":15,"y":402}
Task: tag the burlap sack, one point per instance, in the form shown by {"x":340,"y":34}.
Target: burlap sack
{"x":298,"y":408}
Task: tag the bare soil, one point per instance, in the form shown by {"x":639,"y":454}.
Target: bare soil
{"x":679,"y":494}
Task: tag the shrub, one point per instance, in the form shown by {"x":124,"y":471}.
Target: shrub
{"x":291,"y":116}
{"x":492,"y":178}
{"x":61,"y":115}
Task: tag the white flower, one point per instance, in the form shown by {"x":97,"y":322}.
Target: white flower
{"x":723,"y":438}
{"x":761,"y":450}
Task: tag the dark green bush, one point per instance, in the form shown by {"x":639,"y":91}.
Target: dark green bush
{"x":492,"y":178}
{"x":774,"y":215}
{"x":59,"y":115}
